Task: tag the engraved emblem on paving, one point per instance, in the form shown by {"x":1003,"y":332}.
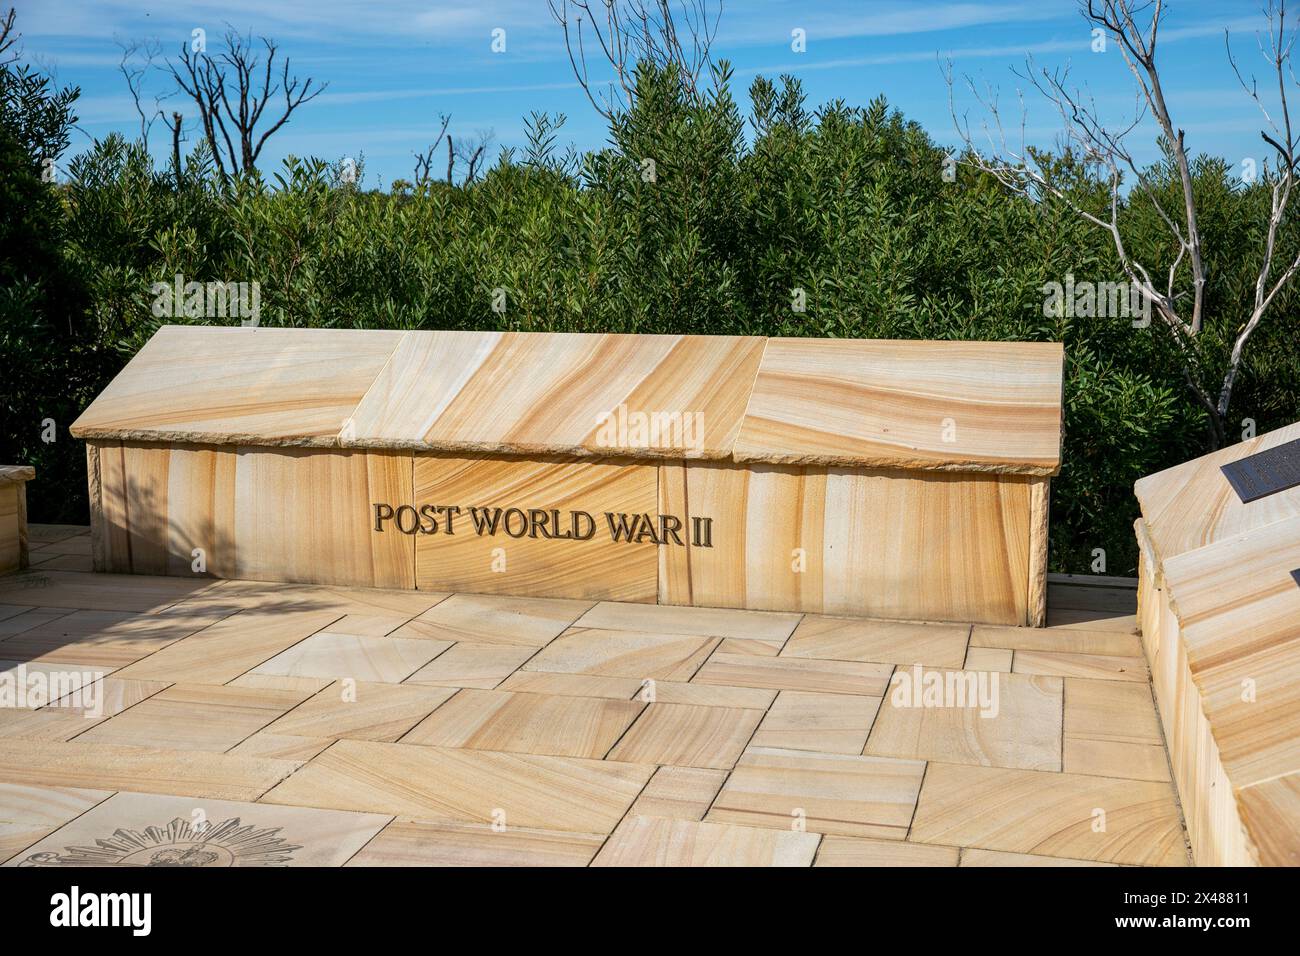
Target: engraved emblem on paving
{"x":179,"y":843}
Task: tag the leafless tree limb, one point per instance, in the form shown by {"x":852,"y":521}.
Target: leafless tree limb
{"x":470,"y":152}
{"x":174,"y":126}
{"x":138,"y":60}
{"x":1277,"y":53}
{"x":8,"y":38}
{"x":623,"y":33}
{"x":424,"y":160}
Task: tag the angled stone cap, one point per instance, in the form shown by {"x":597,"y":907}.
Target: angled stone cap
{"x":948,"y":406}
{"x":231,"y":385}
{"x":649,"y":396}
{"x":1192,"y":504}
{"x":16,"y":474}
{"x":956,"y":406}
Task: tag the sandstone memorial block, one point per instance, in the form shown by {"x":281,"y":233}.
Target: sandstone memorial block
{"x":13,"y":516}
{"x":1219,"y":611}
{"x":896,"y":479}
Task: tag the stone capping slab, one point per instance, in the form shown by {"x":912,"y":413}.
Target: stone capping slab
{"x":934,"y":406}
{"x":1191,"y":505}
{"x":14,"y":546}
{"x":917,"y":405}
{"x":16,"y":474}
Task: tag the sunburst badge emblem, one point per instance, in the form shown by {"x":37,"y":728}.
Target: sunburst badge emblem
{"x":180,"y":843}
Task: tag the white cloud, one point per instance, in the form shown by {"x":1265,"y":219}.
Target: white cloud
{"x":383,"y":96}
{"x":873,"y":20}
{"x":326,"y":20}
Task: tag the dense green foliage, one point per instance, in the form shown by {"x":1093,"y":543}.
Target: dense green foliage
{"x":696,"y":218}
{"x":50,"y":357}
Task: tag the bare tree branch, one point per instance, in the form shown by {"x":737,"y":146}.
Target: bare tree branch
{"x":470,"y":152}
{"x":627,"y":32}
{"x":1277,"y":53}
{"x":1138,"y":47}
{"x":8,"y":38}
{"x":424,"y":161}
{"x":138,"y":60}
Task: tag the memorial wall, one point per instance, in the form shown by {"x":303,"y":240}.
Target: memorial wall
{"x":895,"y":479}
{"x":1219,"y":610}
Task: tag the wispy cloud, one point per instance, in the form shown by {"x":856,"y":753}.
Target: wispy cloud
{"x":769,"y":23}
{"x":428,"y":92}
{"x":922,"y":56}
{"x":323,"y":20}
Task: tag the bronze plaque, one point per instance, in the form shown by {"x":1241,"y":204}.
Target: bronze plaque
{"x":1266,"y":473}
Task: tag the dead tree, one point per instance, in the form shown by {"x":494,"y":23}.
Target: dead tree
{"x":231,"y":91}
{"x":470,"y":152}
{"x":424,"y":160}
{"x":174,"y":126}
{"x":623,"y":33}
{"x":1178,"y":298}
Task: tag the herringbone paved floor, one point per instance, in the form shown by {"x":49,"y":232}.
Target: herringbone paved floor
{"x":244,"y":723}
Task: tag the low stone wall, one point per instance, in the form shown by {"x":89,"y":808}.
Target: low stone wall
{"x":903,"y":480}
{"x":1219,"y":610}
{"x":13,"y":516}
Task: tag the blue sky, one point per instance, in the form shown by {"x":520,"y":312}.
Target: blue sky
{"x":394,"y":65}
